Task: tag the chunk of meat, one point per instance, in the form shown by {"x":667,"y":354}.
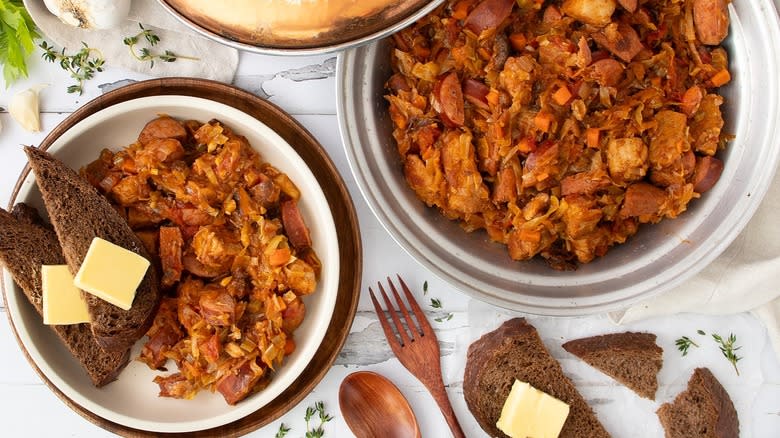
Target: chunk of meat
{"x":644,"y":201}
{"x":236,"y":385}
{"x":488,"y":15}
{"x":711,"y":20}
{"x":627,"y":158}
{"x":541,"y":164}
{"x":505,"y":188}
{"x":215,"y":246}
{"x":163,"y":335}
{"x":621,"y":40}
{"x":171,"y":244}
{"x":296,"y":228}
{"x":707,"y":173}
{"x":300,"y":277}
{"x":449,"y":100}
{"x":581,"y":217}
{"x":706,"y":125}
{"x":191,"y":263}
{"x":158,"y":150}
{"x":131,"y":189}
{"x":607,"y":72}
{"x":149,"y":239}
{"x":162,"y":127}
{"x":426,"y":177}
{"x":595,"y":12}
{"x":669,"y":138}
{"x":217,"y":307}
{"x":266,"y":192}
{"x":466,"y":192}
{"x":176,"y":386}
{"x":293,"y":315}
{"x":585,"y":183}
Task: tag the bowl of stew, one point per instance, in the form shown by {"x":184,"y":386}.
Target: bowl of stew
{"x":559,"y":158}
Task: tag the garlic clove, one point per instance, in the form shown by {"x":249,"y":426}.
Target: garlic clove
{"x":89,"y":14}
{"x":24,"y":108}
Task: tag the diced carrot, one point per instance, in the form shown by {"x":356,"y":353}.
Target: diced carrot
{"x":461,"y":9}
{"x":518,"y":41}
{"x":562,"y":95}
{"x":492,"y":97}
{"x":691,"y":99}
{"x":592,"y":137}
{"x":484,"y":53}
{"x":279,"y":257}
{"x":526,"y":145}
{"x":720,"y":78}
{"x":543,"y":121}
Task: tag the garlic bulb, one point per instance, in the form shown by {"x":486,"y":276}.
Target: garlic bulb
{"x":24,"y":108}
{"x":89,"y":14}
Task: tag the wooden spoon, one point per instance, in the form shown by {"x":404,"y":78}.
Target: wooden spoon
{"x":373,"y":406}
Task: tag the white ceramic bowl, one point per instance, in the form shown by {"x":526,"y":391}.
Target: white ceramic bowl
{"x":132,"y":400}
{"x":657,"y":259}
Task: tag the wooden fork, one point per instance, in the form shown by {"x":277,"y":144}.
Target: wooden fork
{"x":418,"y":348}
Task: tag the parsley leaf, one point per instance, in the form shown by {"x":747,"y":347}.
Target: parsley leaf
{"x":17,"y":35}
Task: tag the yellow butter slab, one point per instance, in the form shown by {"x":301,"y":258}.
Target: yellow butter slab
{"x":530,"y":413}
{"x":63,"y":303}
{"x":111,"y":273}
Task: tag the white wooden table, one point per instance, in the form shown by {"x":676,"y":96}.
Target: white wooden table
{"x":305,"y":87}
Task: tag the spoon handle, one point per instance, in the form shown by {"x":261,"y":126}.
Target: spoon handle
{"x":440,"y":396}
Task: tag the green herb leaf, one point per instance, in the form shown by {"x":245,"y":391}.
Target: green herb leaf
{"x":425,"y":287}
{"x":145,"y":54}
{"x":444,"y":318}
{"x":81,"y":65}
{"x":728,"y":348}
{"x":435,"y":303}
{"x":701,"y":332}
{"x":17,"y":36}
{"x":684,"y":343}
{"x":324,"y":417}
{"x":282,"y":432}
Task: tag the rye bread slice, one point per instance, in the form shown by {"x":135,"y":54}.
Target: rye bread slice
{"x":632,"y":359}
{"x":25,"y":245}
{"x":515,"y":351}
{"x":79,"y":214}
{"x":703,"y":410}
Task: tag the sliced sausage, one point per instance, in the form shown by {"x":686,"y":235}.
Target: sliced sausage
{"x":293,"y":223}
{"x":162,"y":127}
{"x":642,"y":199}
{"x":488,"y":15}
{"x":476,"y":92}
{"x":449,"y":95}
{"x":707,"y":173}
{"x":171,"y":243}
{"x":621,"y":40}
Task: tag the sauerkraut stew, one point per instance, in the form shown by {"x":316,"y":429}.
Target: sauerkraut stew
{"x":234,"y":253}
{"x":560,"y":127}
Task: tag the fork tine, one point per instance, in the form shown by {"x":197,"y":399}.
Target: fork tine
{"x":425,"y":326}
{"x":394,"y":315}
{"x":415,"y":331}
{"x":380,"y":313}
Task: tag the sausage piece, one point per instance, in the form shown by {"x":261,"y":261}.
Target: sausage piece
{"x":162,"y":127}
{"x":642,"y":199}
{"x":488,"y":15}
{"x":450,"y":96}
{"x":707,"y":173}
{"x":293,"y":223}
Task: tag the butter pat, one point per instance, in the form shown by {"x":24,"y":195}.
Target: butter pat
{"x":111,"y":273}
{"x":530,"y":413}
{"x":62,"y":301}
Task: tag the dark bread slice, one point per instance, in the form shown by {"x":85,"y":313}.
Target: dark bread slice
{"x":703,"y":410}
{"x":25,"y":245}
{"x":515,"y":351}
{"x":79,"y":214}
{"x":632,"y":359}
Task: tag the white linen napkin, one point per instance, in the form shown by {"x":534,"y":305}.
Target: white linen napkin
{"x":745,"y":278}
{"x":215,"y":61}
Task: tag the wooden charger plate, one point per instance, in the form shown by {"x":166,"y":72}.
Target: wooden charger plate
{"x":344,"y":217}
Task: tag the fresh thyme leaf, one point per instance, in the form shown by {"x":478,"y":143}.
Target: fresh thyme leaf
{"x":435,"y":303}
{"x":81,"y":65}
{"x":425,"y":287}
{"x":701,"y":332}
{"x":684,"y":343}
{"x":17,"y":40}
{"x":282,"y":432}
{"x":444,"y":318}
{"x":728,"y":348}
{"x":324,"y":417}
{"x":145,"y":54}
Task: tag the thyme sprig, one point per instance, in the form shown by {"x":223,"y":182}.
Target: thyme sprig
{"x":81,"y":65}
{"x":282,"y":432}
{"x":728,"y":347}
{"x":319,"y":409}
{"x":684,"y":343}
{"x":144,"y":54}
